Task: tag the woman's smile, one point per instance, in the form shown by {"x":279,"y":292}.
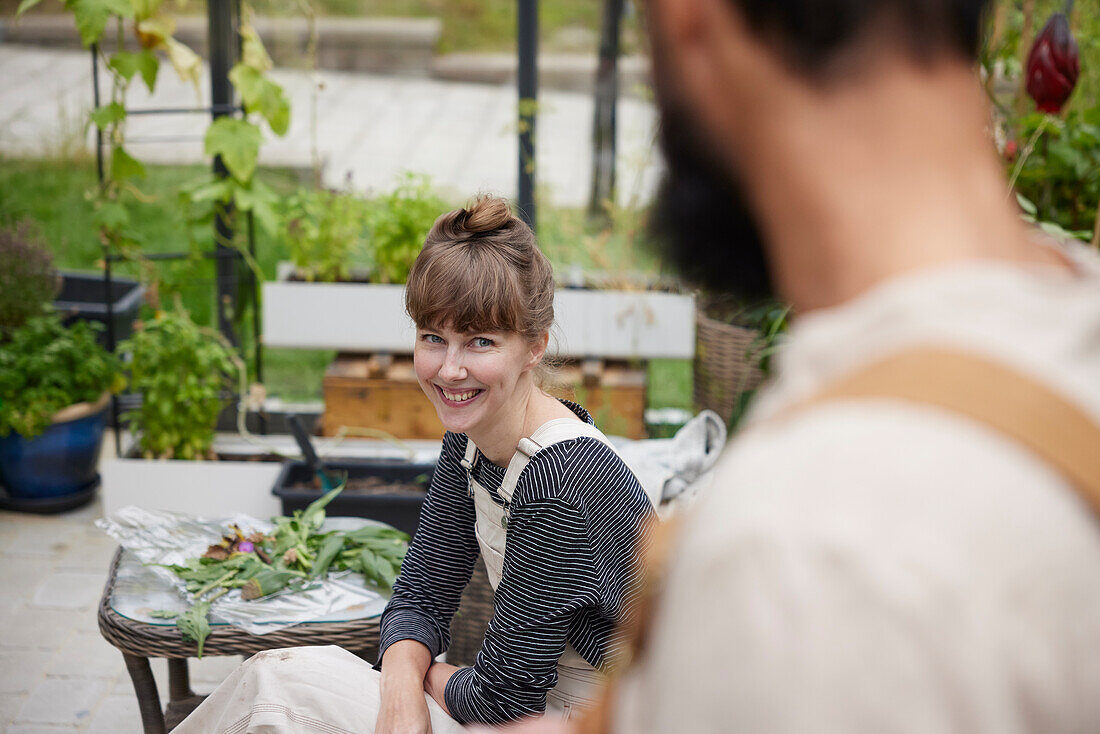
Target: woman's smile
{"x":458,"y":397}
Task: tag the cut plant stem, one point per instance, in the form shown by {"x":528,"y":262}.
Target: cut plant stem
{"x":228,"y":575}
{"x":225,"y":590}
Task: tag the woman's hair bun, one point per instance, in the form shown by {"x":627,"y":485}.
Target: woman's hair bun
{"x":486,"y":214}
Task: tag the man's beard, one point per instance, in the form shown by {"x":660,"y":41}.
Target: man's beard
{"x":701,"y":219}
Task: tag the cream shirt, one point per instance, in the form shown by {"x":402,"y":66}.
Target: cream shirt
{"x":890,"y":567}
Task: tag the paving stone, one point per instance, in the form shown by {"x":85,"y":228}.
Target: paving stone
{"x":22,"y":575}
{"x":37,"y":628}
{"x":88,"y":549}
{"x":87,"y":653}
{"x":63,"y":701}
{"x":42,"y":729}
{"x":116,"y":714}
{"x":124,"y":686}
{"x":70,"y":590}
{"x":208,"y":673}
{"x":21,"y":670}
{"x":33,"y":537}
{"x":10,"y":703}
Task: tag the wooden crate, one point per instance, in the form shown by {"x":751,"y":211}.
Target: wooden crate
{"x":381,"y":392}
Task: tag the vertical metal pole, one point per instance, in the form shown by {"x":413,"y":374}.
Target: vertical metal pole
{"x":604,"y":131}
{"x":96,"y":102}
{"x":111,"y":343}
{"x":528,"y":100}
{"x":222,"y":55}
{"x":257,"y":328}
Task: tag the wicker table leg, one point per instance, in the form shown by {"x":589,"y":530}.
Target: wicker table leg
{"x":152,"y":719}
{"x":179,"y":681}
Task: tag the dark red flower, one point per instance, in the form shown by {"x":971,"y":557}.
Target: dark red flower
{"x":1053,"y":65}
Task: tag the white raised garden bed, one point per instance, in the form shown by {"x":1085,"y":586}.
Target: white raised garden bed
{"x":362,"y":317}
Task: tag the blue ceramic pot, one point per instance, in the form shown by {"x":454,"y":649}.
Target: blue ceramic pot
{"x":60,"y":461}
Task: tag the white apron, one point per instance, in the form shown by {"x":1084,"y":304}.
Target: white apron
{"x":578,"y":682}
{"x":304,"y":690}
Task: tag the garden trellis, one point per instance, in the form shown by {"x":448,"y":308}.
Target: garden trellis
{"x":225,"y":47}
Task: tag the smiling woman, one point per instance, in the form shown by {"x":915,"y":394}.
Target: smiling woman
{"x":524,"y":480}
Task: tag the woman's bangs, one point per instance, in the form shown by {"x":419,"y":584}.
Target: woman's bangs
{"x":467,"y":300}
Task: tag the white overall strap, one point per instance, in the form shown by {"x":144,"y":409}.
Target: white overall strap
{"x":548,"y":434}
{"x":467,"y":462}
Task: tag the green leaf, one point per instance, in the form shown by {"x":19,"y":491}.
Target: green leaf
{"x":108,"y":114}
{"x":163,"y":614}
{"x":92,"y":15}
{"x":124,"y":166}
{"x":25,"y":6}
{"x":112,"y":216}
{"x":263,"y":96}
{"x":314,"y":515}
{"x":128,"y":63}
{"x":262,"y":202}
{"x":194,"y":624}
{"x":332,"y":545}
{"x":237,"y":142}
{"x":219,"y":190}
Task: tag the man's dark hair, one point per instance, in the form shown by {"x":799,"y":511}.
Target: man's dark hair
{"x":812,"y":34}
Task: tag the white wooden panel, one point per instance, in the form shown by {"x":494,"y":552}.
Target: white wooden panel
{"x":346,"y":316}
{"x":624,"y":324}
{"x":205,"y":488}
{"x":369,"y":318}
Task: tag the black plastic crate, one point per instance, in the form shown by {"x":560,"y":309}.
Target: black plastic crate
{"x":83,"y":296}
{"x":295,"y":487}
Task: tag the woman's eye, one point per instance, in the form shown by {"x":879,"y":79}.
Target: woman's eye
{"x":483,"y":342}
{"x":432,"y":338}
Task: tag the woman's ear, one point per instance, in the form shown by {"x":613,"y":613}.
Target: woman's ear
{"x":538,"y":349}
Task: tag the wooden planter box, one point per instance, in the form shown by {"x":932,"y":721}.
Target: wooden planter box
{"x":378,"y":392}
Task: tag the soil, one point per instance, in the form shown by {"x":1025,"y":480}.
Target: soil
{"x":371,"y":486}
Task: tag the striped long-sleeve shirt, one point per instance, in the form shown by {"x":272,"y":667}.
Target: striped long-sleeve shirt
{"x":569,"y":572}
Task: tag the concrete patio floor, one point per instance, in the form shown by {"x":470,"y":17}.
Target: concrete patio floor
{"x":57,"y":674}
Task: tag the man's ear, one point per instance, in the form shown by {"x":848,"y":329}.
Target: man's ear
{"x":538,"y":350}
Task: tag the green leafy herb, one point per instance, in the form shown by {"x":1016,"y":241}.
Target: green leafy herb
{"x":180,"y":370}
{"x":194,"y":625}
{"x":45,"y":367}
{"x":163,"y":614}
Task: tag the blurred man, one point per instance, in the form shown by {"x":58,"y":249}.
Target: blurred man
{"x":904,"y":561}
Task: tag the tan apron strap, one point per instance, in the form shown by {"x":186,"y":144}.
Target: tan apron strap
{"x":1014,"y":405}
{"x":992,"y":394}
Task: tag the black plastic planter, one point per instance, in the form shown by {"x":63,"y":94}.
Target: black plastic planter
{"x":296,"y":488}
{"x":83,"y":296}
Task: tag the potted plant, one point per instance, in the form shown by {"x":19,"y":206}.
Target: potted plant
{"x":184,"y":374}
{"x":55,"y":385}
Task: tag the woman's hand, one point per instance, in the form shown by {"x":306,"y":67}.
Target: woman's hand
{"x":404,"y":709}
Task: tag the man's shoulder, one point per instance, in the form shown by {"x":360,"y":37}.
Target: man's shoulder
{"x":885,"y":476}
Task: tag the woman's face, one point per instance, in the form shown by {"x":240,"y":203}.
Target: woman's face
{"x":473,"y":378}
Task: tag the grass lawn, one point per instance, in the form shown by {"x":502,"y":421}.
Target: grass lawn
{"x":53,"y":195}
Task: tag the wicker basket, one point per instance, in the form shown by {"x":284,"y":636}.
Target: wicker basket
{"x":725,"y":364}
{"x":472,"y":618}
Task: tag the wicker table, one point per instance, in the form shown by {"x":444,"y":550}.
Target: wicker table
{"x":139,"y":641}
